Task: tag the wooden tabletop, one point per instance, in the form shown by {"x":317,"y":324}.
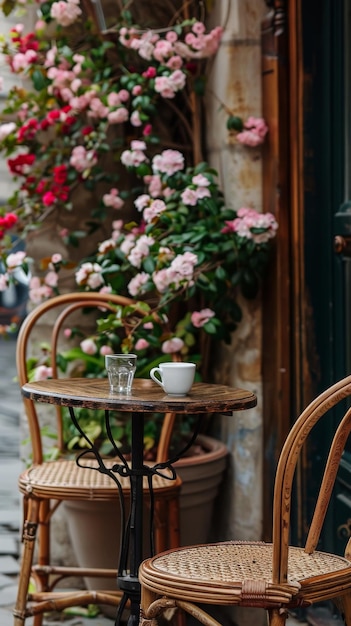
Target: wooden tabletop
{"x":146,"y":396}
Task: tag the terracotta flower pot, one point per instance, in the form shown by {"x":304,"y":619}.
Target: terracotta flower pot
{"x":94,"y":527}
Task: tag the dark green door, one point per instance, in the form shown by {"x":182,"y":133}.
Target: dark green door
{"x":326,"y":35}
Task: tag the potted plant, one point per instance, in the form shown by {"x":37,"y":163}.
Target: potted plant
{"x":111,"y":120}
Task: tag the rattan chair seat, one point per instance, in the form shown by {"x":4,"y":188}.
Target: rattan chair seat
{"x":228,"y":572}
{"x":64,"y":480}
{"x":272,"y":576}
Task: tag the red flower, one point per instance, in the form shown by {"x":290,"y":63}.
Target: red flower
{"x":21,"y":163}
{"x":60,"y":174}
{"x":6,"y":222}
{"x":53,"y":116}
{"x":28,"y":130}
{"x":49,"y":198}
{"x":87,"y":130}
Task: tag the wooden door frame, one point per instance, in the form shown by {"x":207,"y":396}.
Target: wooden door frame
{"x":283,"y":292}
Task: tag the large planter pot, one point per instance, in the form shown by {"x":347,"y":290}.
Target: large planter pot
{"x":94,"y":526}
{"x":201,"y":476}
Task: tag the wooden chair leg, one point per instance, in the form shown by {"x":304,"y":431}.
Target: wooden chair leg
{"x":277,"y":617}
{"x":30,"y":527}
{"x":346,"y":608}
{"x":147,"y":598}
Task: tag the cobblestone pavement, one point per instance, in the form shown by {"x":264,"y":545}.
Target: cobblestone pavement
{"x":10,"y":512}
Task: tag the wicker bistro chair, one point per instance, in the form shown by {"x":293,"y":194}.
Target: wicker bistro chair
{"x":274,"y":576}
{"x":44,"y":485}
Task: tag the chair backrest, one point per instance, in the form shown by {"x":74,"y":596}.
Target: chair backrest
{"x":63,"y":306}
{"x":290,"y":454}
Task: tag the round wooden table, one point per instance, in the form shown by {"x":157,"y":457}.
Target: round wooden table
{"x":146,"y":397}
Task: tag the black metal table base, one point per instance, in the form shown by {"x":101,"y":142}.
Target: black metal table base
{"x":131,"y":549}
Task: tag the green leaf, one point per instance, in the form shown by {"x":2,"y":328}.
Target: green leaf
{"x":235,"y":123}
{"x":221,"y":274}
{"x":210,"y":328}
{"x":39,"y":80}
{"x":149,"y":265}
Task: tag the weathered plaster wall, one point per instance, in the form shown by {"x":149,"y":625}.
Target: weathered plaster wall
{"x":235,"y":81}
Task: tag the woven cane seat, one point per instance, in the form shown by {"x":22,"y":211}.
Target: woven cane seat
{"x":232,"y":572}
{"x":273,"y":576}
{"x":65,"y":480}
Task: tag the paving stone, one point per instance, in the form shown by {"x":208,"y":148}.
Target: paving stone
{"x":6,"y":618}
{"x":5,"y":581}
{"x":8,"y":545}
{"x":10,"y":518}
{"x":8,"y":595}
{"x":8,"y":565}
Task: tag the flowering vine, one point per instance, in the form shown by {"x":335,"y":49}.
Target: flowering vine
{"x":92,"y":119}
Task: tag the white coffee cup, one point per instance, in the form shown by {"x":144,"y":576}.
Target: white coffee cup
{"x":175,"y":379}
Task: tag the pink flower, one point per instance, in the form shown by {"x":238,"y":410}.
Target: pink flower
{"x":189,"y":197}
{"x":22,"y":60}
{"x":140,"y":250}
{"x":42,"y":372}
{"x":154,"y":185}
{"x":106,"y":246}
{"x":200,"y":318}
{"x":113,"y":99}
{"x":123,"y":95}
{"x":82,"y":159}
{"x":128,"y":243}
{"x":168,"y":162}
{"x":38,"y":292}
{"x":141,"y":344}
{"x":15,"y":260}
{"x":67,"y":333}
{"x":156,"y":207}
{"x":249,"y":138}
{"x":255,"y":130}
{"x":112,"y":199}
{"x":56,"y":258}
{"x":162,"y":279}
{"x":198,"y":28}
{"x":168,"y":86}
{"x":118,"y":116}
{"x":148,"y":325}
{"x":135,"y":156}
{"x":135,"y":119}
{"x":142,"y":201}
{"x":172,"y":345}
{"x":106,"y":350}
{"x":90,"y":274}
{"x":51,"y":279}
{"x":175,"y":62}
{"x":65,"y":13}
{"x":200,"y":180}
{"x":88,"y":346}
{"x":6,"y":129}
{"x":251,"y":224}
{"x":135,"y":285}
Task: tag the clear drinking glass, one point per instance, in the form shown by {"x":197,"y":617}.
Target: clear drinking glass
{"x":120,"y":369}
